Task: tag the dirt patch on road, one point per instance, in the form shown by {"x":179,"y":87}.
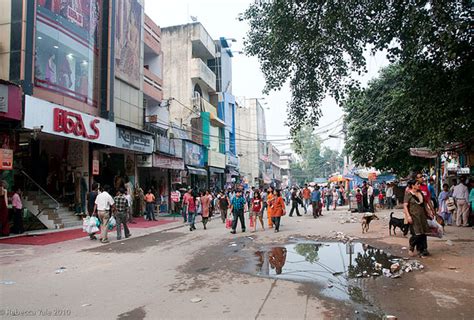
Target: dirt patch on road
{"x":138,"y":244}
{"x":135,"y":314}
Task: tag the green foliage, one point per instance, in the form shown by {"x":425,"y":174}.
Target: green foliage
{"x":309,"y":251}
{"x":408,"y":106}
{"x":316,"y":161}
{"x":319,"y":45}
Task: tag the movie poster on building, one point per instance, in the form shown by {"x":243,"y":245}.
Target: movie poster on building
{"x":6,"y":159}
{"x":128,"y":20}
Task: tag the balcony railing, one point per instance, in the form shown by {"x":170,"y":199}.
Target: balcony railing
{"x":152,"y":85}
{"x":199,"y":70}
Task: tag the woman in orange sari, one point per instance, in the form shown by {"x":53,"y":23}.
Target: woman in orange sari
{"x":270,"y":200}
{"x":278,"y":209}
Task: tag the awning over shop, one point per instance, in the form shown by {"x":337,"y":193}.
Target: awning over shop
{"x":216,"y":170}
{"x":198,"y":171}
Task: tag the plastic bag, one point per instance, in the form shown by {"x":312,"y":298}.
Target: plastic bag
{"x":93,"y":221}
{"x":436,"y":229}
{"x":85,"y":223}
{"x":112,"y":223}
{"x":228,"y":222}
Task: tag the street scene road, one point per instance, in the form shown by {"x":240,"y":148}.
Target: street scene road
{"x":167,"y":272}
{"x":237,"y":159}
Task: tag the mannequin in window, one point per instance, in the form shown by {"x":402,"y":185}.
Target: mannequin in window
{"x":50,"y":74}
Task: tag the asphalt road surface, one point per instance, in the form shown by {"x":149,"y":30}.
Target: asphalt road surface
{"x":211,"y":274}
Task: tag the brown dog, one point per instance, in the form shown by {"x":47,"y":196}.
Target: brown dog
{"x":365,"y":222}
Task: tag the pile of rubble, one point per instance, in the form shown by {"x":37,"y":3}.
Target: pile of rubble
{"x":398,"y":267}
{"x":340,"y":236}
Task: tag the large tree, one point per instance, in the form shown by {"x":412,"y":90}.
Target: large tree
{"x":402,"y":109}
{"x":319,"y":45}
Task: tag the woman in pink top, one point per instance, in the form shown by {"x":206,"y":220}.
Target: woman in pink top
{"x":205,"y":203}
{"x":17,"y":211}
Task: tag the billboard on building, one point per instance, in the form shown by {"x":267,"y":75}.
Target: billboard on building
{"x":128,"y":22}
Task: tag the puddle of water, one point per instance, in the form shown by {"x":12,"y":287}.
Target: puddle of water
{"x":334,"y":266}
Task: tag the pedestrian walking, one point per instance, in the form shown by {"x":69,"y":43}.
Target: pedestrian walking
{"x":294,"y":203}
{"x":327,"y":197}
{"x":130,"y":206}
{"x":270,"y":200}
{"x":415,"y":215}
{"x":139,"y":207}
{"x":443,"y":210}
{"x":103,"y":205}
{"x":224,"y":203}
{"x":370,"y":198}
{"x":4,"y":224}
{"x":91,"y":198}
{"x":360,"y":204}
{"x":206,"y":200}
{"x":190,"y":207}
{"x":256,"y":211}
{"x":278,"y":210}
{"x":335,"y":198}
{"x":264,"y":196}
{"x":389,"y":196}
{"x":17,"y":206}
{"x":316,"y":202}
{"x":150,"y":206}
{"x":306,"y":198}
{"x":121,"y":213}
{"x":365,"y":198}
{"x":461,"y":197}
{"x":237,"y":206}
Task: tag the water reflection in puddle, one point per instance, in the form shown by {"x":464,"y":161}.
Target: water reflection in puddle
{"x":332,"y":265}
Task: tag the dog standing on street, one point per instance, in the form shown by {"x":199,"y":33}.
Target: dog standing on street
{"x":397,"y":223}
{"x":365,"y":222}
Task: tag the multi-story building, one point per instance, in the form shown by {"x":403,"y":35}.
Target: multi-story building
{"x":226,"y":109}
{"x":286,"y":159}
{"x":81,"y":67}
{"x":273,"y":172}
{"x":251,"y":142}
{"x":190,"y":86}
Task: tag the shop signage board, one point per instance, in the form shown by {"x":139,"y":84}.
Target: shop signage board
{"x":58,"y":120}
{"x":466,"y":170}
{"x":163,"y":144}
{"x":167,"y":162}
{"x":6,"y":159}
{"x":134,"y":140}
{"x":193,"y":154}
{"x":144,"y":160}
{"x":216,"y":159}
{"x":231,"y":160}
{"x":175,"y":195}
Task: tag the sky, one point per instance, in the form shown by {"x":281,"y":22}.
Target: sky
{"x":219,"y":18}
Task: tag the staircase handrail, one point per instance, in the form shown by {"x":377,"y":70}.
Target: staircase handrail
{"x":41,"y":188}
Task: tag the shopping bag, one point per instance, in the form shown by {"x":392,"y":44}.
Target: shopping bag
{"x":94,"y":221}
{"x":435,"y":228}
{"x":111,"y":224}
{"x":252,"y":222}
{"x":85,"y":223}
{"x":228,"y":221}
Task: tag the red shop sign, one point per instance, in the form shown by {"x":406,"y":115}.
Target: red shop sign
{"x":71,"y":122}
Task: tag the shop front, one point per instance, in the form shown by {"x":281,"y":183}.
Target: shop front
{"x":194,"y":159}
{"x":10,"y":117}
{"x":117,"y":166}
{"x":56,"y":152}
{"x":216,"y":167}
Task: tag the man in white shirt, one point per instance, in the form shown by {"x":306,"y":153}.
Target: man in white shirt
{"x":103,"y":205}
{"x":389,"y":195}
{"x":461,"y":196}
{"x":370,"y":197}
